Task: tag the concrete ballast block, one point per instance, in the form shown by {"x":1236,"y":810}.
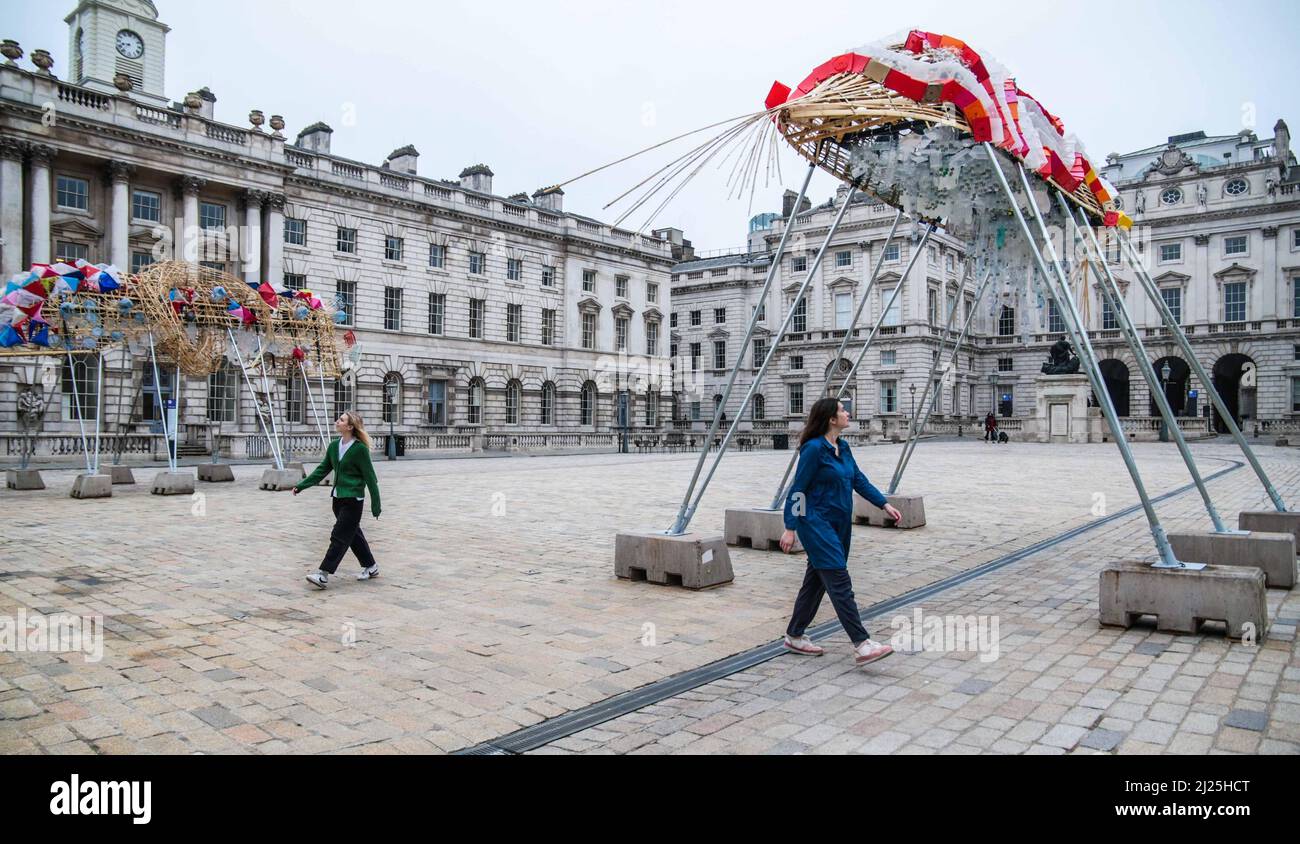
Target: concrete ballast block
{"x":280,"y":479}
{"x":1271,"y":521}
{"x":757,"y":527}
{"x":1272,"y":552}
{"x":1181,"y":599}
{"x":121,"y":474}
{"x":691,"y":560}
{"x":173,"y":483}
{"x":92,"y":486}
{"x":912,"y":508}
{"x":215,"y":473}
{"x":23,"y":479}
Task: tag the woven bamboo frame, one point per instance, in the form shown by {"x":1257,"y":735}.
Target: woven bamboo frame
{"x":818,"y":124}
{"x":195,"y":338}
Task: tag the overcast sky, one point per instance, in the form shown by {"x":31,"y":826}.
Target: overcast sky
{"x":544,"y":91}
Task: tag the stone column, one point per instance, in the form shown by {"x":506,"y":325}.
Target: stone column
{"x":39,"y":247}
{"x":12,"y":151}
{"x":119,"y":179}
{"x":274,"y":238}
{"x":251,"y":244}
{"x":187,"y":239}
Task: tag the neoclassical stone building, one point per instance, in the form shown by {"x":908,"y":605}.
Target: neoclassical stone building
{"x":1217,"y":223}
{"x":473,"y":318}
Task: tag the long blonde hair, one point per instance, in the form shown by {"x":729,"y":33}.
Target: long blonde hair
{"x":358,"y":427}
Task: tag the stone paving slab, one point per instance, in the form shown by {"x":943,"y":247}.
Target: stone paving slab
{"x":498,"y":608}
{"x":1061,"y":683}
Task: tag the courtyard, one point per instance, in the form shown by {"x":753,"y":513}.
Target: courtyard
{"x":498,"y":611}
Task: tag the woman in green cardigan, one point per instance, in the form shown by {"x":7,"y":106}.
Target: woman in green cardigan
{"x":348,"y":457}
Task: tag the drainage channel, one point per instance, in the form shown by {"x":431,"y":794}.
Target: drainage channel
{"x":554,"y":729}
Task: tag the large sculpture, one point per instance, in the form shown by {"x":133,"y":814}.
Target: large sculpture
{"x":1061,"y":359}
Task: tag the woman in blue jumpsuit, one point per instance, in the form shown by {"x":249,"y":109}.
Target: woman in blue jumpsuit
{"x":819,"y":509}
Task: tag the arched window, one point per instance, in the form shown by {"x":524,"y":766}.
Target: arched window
{"x":223,"y":388}
{"x":393,"y":398}
{"x":514,"y":395}
{"x":759,"y":408}
{"x":476,"y":391}
{"x":588,"y":403}
{"x":548,"y":403}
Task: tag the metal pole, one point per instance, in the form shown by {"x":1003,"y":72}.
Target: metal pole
{"x":176,"y":433}
{"x":1111,"y":291}
{"x":1154,"y":295}
{"x":906,"y":456}
{"x":1079,"y":334}
{"x":914,"y":432}
{"x":162,"y":411}
{"x":312,"y":396}
{"x":99,"y":404}
{"x":679,"y":524}
{"x":76,"y":407}
{"x":767,"y":360}
{"x":249,"y":381}
{"x":270,"y":405}
{"x":839,"y":353}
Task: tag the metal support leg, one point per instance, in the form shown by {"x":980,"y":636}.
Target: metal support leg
{"x":906,"y":456}
{"x":99,"y":405}
{"x":306,"y":382}
{"x":767,"y":360}
{"x":1181,"y":338}
{"x":249,"y":381}
{"x":157,"y":391}
{"x":683,"y":515}
{"x":270,"y":407}
{"x":76,"y":407}
{"x":839,"y":354}
{"x":1079,"y":335}
{"x":1110,"y":289}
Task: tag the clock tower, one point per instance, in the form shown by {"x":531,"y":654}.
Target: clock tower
{"x":111,"y":37}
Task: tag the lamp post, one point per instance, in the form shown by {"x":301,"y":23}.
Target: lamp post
{"x":1165,"y":372}
{"x":390,"y":397}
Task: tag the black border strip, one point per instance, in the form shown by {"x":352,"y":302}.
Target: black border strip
{"x":554,"y":729}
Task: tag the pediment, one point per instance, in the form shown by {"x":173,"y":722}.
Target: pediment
{"x":68,"y":224}
{"x":793,"y":286}
{"x":1171,"y":277}
{"x":1235,"y":271}
{"x":719,"y":334}
{"x":589,"y":304}
{"x":652,"y":314}
{"x":843,"y":282}
{"x":622,"y":309}
{"x":888,"y":277}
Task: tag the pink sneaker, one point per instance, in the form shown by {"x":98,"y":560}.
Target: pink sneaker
{"x":803,"y":646}
{"x":870,"y":651}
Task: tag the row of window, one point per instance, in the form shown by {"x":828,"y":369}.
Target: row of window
{"x":1234,"y":245}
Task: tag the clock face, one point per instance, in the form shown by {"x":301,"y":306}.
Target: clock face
{"x":129,"y":44}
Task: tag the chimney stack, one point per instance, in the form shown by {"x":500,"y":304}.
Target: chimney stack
{"x":403,"y":160}
{"x":477,"y":178}
{"x":552,"y":199}
{"x":209,"y":103}
{"x":315,"y":137}
{"x":787,"y":204}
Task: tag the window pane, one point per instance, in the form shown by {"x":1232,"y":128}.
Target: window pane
{"x":146,"y":205}
{"x":73,"y":193}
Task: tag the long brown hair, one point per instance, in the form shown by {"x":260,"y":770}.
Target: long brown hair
{"x":819,"y":419}
{"x":358,"y":427}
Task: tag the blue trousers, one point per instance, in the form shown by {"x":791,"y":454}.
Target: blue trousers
{"x":818,"y":582}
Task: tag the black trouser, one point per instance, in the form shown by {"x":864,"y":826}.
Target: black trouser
{"x":816,"y":583}
{"x":347,"y":534}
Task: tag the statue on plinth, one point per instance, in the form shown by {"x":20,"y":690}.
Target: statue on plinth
{"x":31,"y":416}
{"x":1061,"y":360}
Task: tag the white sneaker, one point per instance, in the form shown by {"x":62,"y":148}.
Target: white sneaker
{"x":366,"y":574}
{"x":319,"y":579}
{"x":803,"y":646}
{"x":870,"y":651}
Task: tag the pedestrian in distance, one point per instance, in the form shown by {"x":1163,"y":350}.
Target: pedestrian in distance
{"x":348,"y":457}
{"x":819,"y":511}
